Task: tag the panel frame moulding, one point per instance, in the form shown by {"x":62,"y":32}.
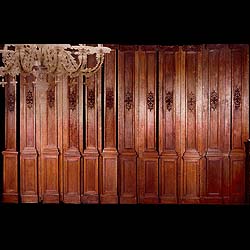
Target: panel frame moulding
{"x":108,"y":169}
{"x":10,"y":154}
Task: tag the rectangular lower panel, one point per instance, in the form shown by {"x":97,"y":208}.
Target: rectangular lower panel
{"x":109,"y":180}
{"x":149,"y":180}
{"x":50,"y":179}
{"x":28,"y":177}
{"x":90,"y":182}
{"x":168,"y":180}
{"x":128,"y":183}
{"x":71,"y":179}
{"x":10,"y":177}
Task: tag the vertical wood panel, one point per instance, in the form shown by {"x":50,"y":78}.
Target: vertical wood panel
{"x":126,"y":124}
{"x":91,"y":153}
{"x":28,"y":156}
{"x":215,"y":170}
{"x":191,"y":135}
{"x":108,"y":171}
{"x":240,"y":112}
{"x":169,"y":108}
{"x":71,"y":149}
{"x":148,"y":155}
{"x":46,"y":139}
{"x":10,"y":154}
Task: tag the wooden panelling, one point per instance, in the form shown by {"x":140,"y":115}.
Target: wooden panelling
{"x":90,"y":193}
{"x":157,"y":124}
{"x":28,"y":156}
{"x":240,"y":113}
{"x":108,"y":170}
{"x":191,"y":128}
{"x":126,"y":124}
{"x":46,"y":139}
{"x":10,"y":154}
{"x":71,"y":153}
{"x":217,"y":93}
{"x":148,"y":106}
{"x":169,"y":123}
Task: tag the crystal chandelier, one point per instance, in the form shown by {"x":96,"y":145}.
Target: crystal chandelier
{"x":55,"y":59}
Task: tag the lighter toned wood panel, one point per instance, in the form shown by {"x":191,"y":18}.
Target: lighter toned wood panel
{"x":91,"y":175}
{"x":168,"y":179}
{"x":214,"y":176}
{"x":72,"y":177}
{"x":10,"y":172}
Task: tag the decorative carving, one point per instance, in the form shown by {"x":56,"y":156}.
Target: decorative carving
{"x":237,"y":98}
{"x":109,"y":98}
{"x":29,"y":99}
{"x":51,"y":96}
{"x":91,"y":98}
{"x":72,"y":97}
{"x":169,"y":100}
{"x":150,"y":100}
{"x":191,"y":102}
{"x":214,"y":98}
{"x":128,"y":100}
{"x":192,"y":48}
{"x":11,"y":101}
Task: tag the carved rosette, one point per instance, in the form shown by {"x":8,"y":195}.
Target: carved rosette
{"x":11,"y":102}
{"x":91,"y":98}
{"x":191,"y":102}
{"x":128,"y":100}
{"x":237,"y":98}
{"x":214,"y":98}
{"x":109,"y":98}
{"x":169,"y":100}
{"x":29,"y":99}
{"x":51,"y":96}
{"x":150,"y":100}
{"x":72,"y":97}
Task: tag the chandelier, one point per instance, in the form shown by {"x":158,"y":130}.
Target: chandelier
{"x":55,"y":59}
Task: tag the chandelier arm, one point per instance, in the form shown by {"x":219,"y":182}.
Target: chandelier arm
{"x":87,"y":72}
{"x":69,"y":62}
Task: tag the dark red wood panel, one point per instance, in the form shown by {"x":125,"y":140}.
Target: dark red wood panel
{"x":126,"y":124}
{"x":108,"y":171}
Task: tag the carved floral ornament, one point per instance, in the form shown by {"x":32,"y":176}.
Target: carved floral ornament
{"x":91,"y":98}
{"x":169,"y":100}
{"x":150,"y":101}
{"x":109,"y":98}
{"x":214,"y":99}
{"x":51,"y":96}
{"x":72,"y":95}
{"x":29,"y":99}
{"x":237,"y":98}
{"x":128,"y":100}
{"x":191,"y":101}
{"x":11,"y":101}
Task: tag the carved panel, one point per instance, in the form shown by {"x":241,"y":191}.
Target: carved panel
{"x":237,"y":98}
{"x":51,"y":96}
{"x":214,"y":98}
{"x":191,"y":101}
{"x":108,"y":170}
{"x":91,"y":98}
{"x":169,"y":100}
{"x":29,"y":98}
{"x":11,"y":101}
{"x":109,"y":98}
{"x":128,"y":100}
{"x":150,"y":100}
{"x":72,"y":95}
